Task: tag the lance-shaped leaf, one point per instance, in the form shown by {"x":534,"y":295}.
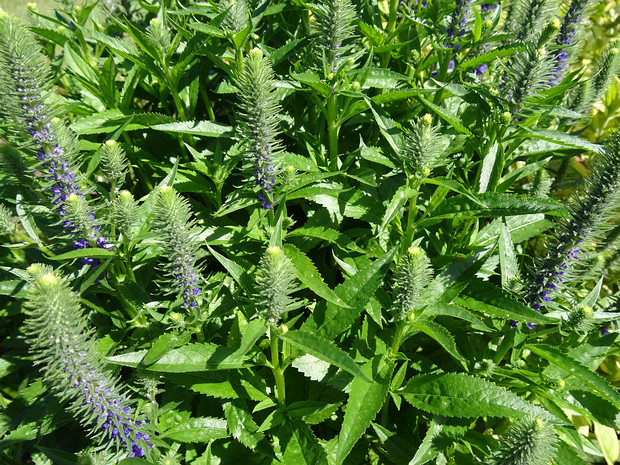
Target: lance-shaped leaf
{"x":596,"y":382}
{"x":365,"y":401}
{"x":324,"y":350}
{"x":463,"y":396}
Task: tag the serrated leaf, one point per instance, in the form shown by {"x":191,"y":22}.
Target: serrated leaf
{"x":387,"y":126}
{"x":507,"y":257}
{"x":454,"y":311}
{"x":521,"y":228}
{"x":573,"y":367}
{"x":402,"y":194}
{"x":198,"y":430}
{"x":356,"y":292}
{"x":428,"y":450}
{"x":311,"y":367}
{"x":492,"y":204}
{"x":235,"y":270}
{"x":487,"y":58}
{"x":489,"y":169}
{"x":25,"y":216}
{"x":364,"y":402}
{"x":564,"y":139}
{"x":608,"y":440}
{"x":220,"y":384}
{"x":165,"y":343}
{"x":483,"y":297}
{"x":324,"y":350}
{"x":195,"y":128}
{"x":108,"y":121}
{"x":464,"y":396}
{"x":192,"y":357}
{"x":95,"y":252}
{"x":241,"y":425}
{"x":312,"y":411}
{"x":299,"y":444}
{"x":310,"y":276}
{"x":327,"y":234}
{"x":441,"y":335}
{"x":397,"y":448}
{"x":452,"y":119}
{"x":452,"y":280}
{"x":313,"y":80}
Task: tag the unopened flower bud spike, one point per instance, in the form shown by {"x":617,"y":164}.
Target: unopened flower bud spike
{"x":275,"y":281}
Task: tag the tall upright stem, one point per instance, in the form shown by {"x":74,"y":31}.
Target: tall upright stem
{"x":332,"y":131}
{"x":275,"y":366}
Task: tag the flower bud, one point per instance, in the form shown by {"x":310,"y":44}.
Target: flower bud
{"x":276,"y":281}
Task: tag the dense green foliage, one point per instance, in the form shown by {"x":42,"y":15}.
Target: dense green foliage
{"x":343,"y":232}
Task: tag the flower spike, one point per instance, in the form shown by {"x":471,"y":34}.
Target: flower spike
{"x":61,"y":343}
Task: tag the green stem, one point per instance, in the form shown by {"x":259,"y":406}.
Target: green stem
{"x":398,"y":337}
{"x":207,"y":102}
{"x":278,"y":372}
{"x":332,"y":131}
{"x":412,"y":212}
{"x":392,"y":15}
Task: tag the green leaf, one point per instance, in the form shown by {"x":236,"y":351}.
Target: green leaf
{"x":221,"y":384}
{"x":464,"y":396}
{"x":94,"y":252}
{"x":312,"y":411}
{"x":165,"y":343}
{"x":25,"y":216}
{"x":108,"y":121}
{"x":449,"y":117}
{"x":397,"y":448}
{"x":308,"y":274}
{"x":454,"y":311}
{"x":565,"y":455}
{"x":192,"y":357}
{"x":487,"y":58}
{"x":428,"y":450}
{"x":491,"y":204}
{"x":313,"y":80}
{"x":311,"y":367}
{"x":564,"y":139}
{"x":483,"y":297}
{"x":327,"y":234}
{"x":240,"y":423}
{"x":492,"y":167}
{"x":387,"y":126}
{"x":507,"y":257}
{"x":208,"y":29}
{"x":441,"y":335}
{"x":394,"y":208}
{"x":324,"y":350}
{"x":235,"y":270}
{"x":356,"y":292}
{"x":573,"y":367}
{"x":521,"y":228}
{"x":195,"y":128}
{"x":380,"y":78}
{"x":198,"y":430}
{"x":365,"y":401}
{"x":13,"y":288}
{"x":608,"y":440}
{"x":299,"y":444}
{"x":452,"y":280}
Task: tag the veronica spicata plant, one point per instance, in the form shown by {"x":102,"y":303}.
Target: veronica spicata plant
{"x":340,"y":232}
